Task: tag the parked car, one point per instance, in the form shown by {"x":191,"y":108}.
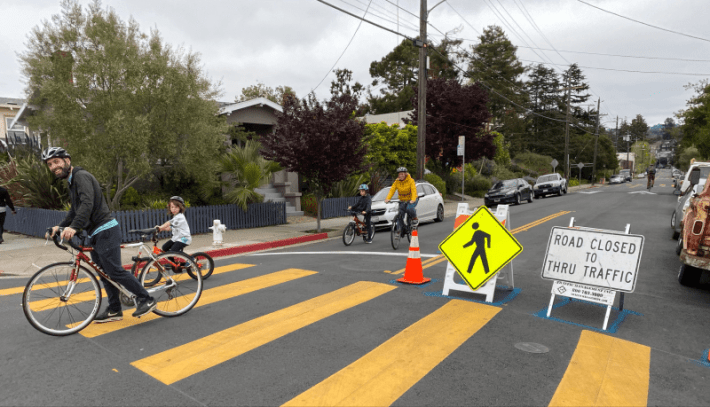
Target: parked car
{"x":550,"y":184}
{"x":681,"y":206}
{"x":627,"y":175}
{"x":617,"y":179}
{"x":430,"y":206}
{"x":511,"y":190}
{"x":704,"y":172}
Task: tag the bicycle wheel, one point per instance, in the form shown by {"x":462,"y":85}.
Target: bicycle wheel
{"x":205,"y":263}
{"x":46,"y":307}
{"x":349,"y":234}
{"x":177,"y":291}
{"x":396,"y":234}
{"x":136,"y":273}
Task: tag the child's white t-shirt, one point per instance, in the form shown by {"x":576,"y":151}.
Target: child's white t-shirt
{"x":181,"y":230}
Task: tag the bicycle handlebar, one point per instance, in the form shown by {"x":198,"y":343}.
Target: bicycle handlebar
{"x":58,"y":242}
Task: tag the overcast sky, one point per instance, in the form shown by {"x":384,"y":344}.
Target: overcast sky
{"x":296,"y":42}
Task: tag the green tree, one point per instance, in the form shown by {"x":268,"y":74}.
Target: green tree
{"x":494,"y":63}
{"x":696,"y":119}
{"x":398,"y":72}
{"x":502,"y":156}
{"x":389,"y":147}
{"x":638,"y":128}
{"x":262,"y":91}
{"x":120,"y":100}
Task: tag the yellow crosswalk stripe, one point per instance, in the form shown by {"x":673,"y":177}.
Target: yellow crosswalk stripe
{"x":209,"y":296}
{"x":605,"y":371}
{"x":54,"y":302}
{"x":184,"y":361}
{"x":383,"y":375}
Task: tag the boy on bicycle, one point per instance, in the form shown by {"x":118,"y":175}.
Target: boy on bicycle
{"x":364,"y":206}
{"x":651,"y":174}
{"x":407,"y":189}
{"x":89,"y":212}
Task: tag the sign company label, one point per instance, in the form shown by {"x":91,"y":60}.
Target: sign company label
{"x":584,"y":292}
{"x":597,"y":258}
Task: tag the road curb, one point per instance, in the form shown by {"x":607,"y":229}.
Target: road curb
{"x":266,"y":245}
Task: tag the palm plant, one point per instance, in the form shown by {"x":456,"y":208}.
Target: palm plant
{"x":243,"y":169}
{"x":38,"y":185}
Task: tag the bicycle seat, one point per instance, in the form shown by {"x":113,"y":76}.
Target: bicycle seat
{"x":144,"y":232}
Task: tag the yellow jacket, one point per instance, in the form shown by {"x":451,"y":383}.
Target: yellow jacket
{"x":407,"y":189}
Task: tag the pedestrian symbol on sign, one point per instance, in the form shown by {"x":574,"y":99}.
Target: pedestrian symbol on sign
{"x":479,"y":238}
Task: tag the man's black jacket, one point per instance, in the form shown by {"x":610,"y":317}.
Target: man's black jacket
{"x":5,"y":199}
{"x":88,"y":207}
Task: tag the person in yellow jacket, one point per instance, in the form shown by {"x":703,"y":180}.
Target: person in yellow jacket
{"x":407,"y":189}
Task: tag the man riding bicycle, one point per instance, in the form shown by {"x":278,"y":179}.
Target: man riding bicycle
{"x":89,"y":211}
{"x":407,"y":189}
{"x":651,"y":175}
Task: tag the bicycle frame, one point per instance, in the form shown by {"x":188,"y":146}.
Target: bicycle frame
{"x":360,"y":226}
{"x":81,"y":256}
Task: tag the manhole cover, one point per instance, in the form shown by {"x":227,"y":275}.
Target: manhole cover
{"x":532,"y":347}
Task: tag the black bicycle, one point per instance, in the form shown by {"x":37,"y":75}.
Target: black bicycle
{"x":400,"y":228}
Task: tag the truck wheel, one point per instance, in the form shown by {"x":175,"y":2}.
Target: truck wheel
{"x":688,"y":275}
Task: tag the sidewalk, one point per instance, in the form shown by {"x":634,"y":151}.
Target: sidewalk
{"x":22,"y":255}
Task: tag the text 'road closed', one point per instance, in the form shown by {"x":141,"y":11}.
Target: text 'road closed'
{"x":591,"y":257}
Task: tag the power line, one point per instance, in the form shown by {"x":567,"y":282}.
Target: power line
{"x":527,"y":14}
{"x":363,"y":19}
{"x":376,"y":15}
{"x":346,"y":47}
{"x":624,"y":70}
{"x":646,"y":24}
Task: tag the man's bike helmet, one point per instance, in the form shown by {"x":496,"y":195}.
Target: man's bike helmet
{"x":363,"y":186}
{"x":54,"y":152}
{"x":401,"y":169}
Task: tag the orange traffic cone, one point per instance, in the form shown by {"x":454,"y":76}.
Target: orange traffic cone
{"x":413,"y":273}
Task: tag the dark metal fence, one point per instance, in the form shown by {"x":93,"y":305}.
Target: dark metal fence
{"x":34,"y":222}
{"x":335,"y":207}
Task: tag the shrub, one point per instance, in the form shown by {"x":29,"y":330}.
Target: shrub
{"x":477,"y":184}
{"x":309,"y":204}
{"x":131,"y":198}
{"x":437,"y":182}
{"x":573,"y":182}
{"x":540,"y":164}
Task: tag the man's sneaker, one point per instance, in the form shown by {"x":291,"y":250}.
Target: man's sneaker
{"x":108,"y":316}
{"x":145,"y":307}
{"x":415,"y":222}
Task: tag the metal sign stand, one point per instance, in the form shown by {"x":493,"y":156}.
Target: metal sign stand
{"x":506,"y":273}
{"x":609,"y":305}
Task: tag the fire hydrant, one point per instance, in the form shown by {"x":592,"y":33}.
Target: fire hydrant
{"x":217,"y":231}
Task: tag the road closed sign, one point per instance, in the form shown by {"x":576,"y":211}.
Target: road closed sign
{"x":598,"y":258}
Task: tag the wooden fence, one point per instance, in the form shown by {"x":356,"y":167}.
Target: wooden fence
{"x":34,"y":222}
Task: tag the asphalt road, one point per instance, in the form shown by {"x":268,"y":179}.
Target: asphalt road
{"x":324,"y":324}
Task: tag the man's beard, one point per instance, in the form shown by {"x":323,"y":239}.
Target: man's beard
{"x":65,"y":172}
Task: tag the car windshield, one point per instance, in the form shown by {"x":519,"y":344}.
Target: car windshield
{"x":547,"y":178}
{"x":382,"y":194}
{"x":509,"y":183}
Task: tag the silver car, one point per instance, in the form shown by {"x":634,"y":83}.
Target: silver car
{"x":430,"y":206}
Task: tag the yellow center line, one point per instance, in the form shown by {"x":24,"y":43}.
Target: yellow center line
{"x":208,"y":297}
{"x":381,"y":377}
{"x":54,"y":302}
{"x":605,"y":371}
{"x":184,"y":361}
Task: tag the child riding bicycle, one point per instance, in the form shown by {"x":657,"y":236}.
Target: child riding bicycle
{"x":364,"y":206}
{"x":178,"y":224}
{"x":407,"y":189}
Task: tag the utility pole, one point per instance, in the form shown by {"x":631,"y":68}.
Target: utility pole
{"x":421,"y":120}
{"x":616,"y":140}
{"x":569,"y":95}
{"x":596,"y":141}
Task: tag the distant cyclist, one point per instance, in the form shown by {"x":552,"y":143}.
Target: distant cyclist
{"x":651,"y":175}
{"x":407,"y":189}
{"x":364,"y":206}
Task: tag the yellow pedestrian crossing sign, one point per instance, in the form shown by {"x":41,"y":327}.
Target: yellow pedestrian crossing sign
{"x":480,"y":247}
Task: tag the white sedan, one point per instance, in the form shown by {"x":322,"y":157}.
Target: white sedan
{"x":430,"y":206}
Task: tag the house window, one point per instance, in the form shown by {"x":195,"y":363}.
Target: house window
{"x":17,"y":134}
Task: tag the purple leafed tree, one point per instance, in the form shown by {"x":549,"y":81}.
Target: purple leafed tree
{"x":454,"y":110}
{"x":322,"y":142}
